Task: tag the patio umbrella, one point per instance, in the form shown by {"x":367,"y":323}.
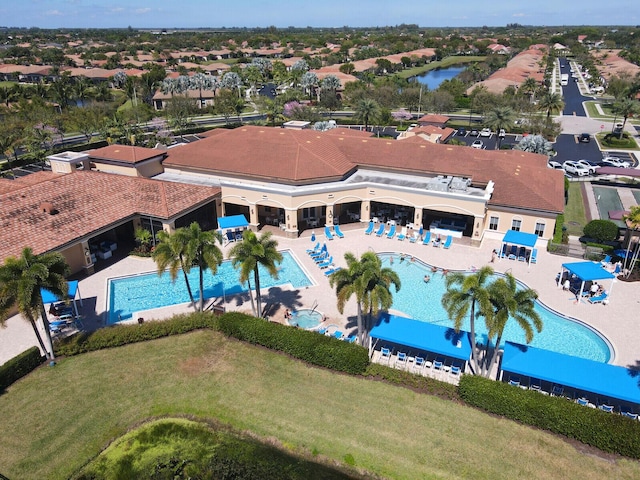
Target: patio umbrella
{"x":313,"y":236}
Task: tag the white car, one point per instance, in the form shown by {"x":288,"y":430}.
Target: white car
{"x":591,"y":166}
{"x":575,"y":169}
{"x":555,"y":165}
{"x":479,"y":144}
{"x":485,"y":132}
{"x":615,"y":162}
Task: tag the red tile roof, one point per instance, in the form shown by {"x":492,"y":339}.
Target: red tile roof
{"x":86,"y":203}
{"x":125,"y":153}
{"x":306,"y":156}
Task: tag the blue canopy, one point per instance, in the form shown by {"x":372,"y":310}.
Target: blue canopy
{"x":423,"y":336}
{"x":234,"y":221}
{"x":602,"y":379}
{"x":49,"y":297}
{"x":588,"y":271}
{"x":513,"y":237}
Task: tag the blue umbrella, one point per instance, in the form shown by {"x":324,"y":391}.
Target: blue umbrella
{"x":313,"y":236}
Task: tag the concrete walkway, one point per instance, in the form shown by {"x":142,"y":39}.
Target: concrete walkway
{"x":615,"y":321}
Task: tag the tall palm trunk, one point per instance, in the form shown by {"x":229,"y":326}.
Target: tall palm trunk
{"x":490,"y":359}
{"x":39,"y":337}
{"x":256,"y":277}
{"x":474,"y":354}
{"x":253,"y":305}
{"x":360,"y":325}
{"x":186,"y":281}
{"x":201,"y":302}
{"x":45,"y":323}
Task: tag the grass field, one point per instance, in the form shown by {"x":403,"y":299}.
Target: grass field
{"x":447,"y":62}
{"x":575,"y":217}
{"x":57,"y":419}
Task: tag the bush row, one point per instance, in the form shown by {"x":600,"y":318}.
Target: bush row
{"x":303,"y":344}
{"x":417,"y":382}
{"x":606,"y":431}
{"x":19,"y":366}
{"x":119,"y":335}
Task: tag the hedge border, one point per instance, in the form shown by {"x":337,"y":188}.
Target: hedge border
{"x":19,"y":366}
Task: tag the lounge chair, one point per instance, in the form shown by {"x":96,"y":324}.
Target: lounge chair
{"x":600,"y":298}
{"x":503,"y":253}
{"x":522,"y":254}
{"x":557,"y":391}
{"x":418,"y":364}
{"x":403,"y":234}
{"x":369,"y":229}
{"x":326,"y":263}
{"x":631,"y":415}
{"x":401,"y":360}
{"x":455,"y":371}
{"x":582,"y":401}
{"x":438,"y":365}
{"x":514,"y":381}
{"x":327,"y":233}
{"x":606,"y":261}
{"x":392,"y":232}
{"x":427,"y":238}
{"x":447,"y":242}
{"x":385,"y":354}
{"x":350,"y":339}
{"x":338,"y":334}
{"x":230,"y":237}
{"x":513,"y":252}
{"x":606,"y":408}
{"x":380,"y":230}
{"x":315,"y":249}
{"x":338,"y":232}
{"x":322,"y":330}
{"x":332,"y":271}
{"x":534,"y":255}
{"x":322,"y":254}
{"x":414,"y":238}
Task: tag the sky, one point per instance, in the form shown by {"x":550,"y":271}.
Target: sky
{"x":320,"y":13}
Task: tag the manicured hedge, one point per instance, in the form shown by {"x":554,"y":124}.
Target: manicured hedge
{"x":411,"y":380}
{"x":606,"y":431}
{"x":119,"y":335}
{"x":19,"y":366}
{"x":303,"y":344}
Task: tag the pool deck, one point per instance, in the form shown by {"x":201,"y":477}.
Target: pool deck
{"x":615,"y":321}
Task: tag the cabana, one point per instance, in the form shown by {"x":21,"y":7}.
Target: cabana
{"x":422,"y":336}
{"x":602,"y":379}
{"x":519,"y":239}
{"x":74,"y":291}
{"x":232,"y":225}
{"x":588,"y":272}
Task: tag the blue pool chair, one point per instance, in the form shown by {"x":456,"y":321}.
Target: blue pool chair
{"x":327,"y":233}
{"x":447,"y":242}
{"x":369,"y":229}
{"x":427,"y":238}
{"x":380,"y":230}
{"x":392,"y":232}
{"x":338,"y":232}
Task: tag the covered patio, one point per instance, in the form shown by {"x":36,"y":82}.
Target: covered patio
{"x":584,"y":274}
{"x":522,"y":246}
{"x":232,"y":227}
{"x":74,"y":293}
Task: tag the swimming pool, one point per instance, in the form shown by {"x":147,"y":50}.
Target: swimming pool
{"x":147,"y":291}
{"x":422,"y":301}
{"x":305,"y":318}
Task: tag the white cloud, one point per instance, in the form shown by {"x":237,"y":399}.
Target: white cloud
{"x":53,"y":13}
{"x":116,"y":10}
{"x":143,"y":10}
{"x":519,"y":15}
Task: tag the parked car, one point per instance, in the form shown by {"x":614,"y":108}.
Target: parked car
{"x":555,"y":165}
{"x":584,"y":138}
{"x":589,"y":165}
{"x":479,"y":144}
{"x":473,"y":132}
{"x":485,"y":132}
{"x":575,"y":169}
{"x":502,"y":133}
{"x":462,"y":131}
{"x":615,"y":162}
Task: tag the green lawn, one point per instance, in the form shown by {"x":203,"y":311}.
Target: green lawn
{"x":574,"y":212}
{"x":57,"y":419}
{"x":444,"y":63}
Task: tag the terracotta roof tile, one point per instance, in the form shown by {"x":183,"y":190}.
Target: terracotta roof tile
{"x":125,"y":153}
{"x":86,"y":202}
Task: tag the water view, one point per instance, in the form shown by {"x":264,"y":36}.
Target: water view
{"x":433,"y":78}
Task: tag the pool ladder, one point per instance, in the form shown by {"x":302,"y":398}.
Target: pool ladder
{"x":314,"y":306}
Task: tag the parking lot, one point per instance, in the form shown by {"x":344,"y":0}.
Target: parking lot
{"x":489,"y":143}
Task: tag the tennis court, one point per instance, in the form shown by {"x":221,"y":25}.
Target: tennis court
{"x":607,"y":200}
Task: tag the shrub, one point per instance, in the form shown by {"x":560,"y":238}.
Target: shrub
{"x":411,"y":380}
{"x":19,"y":366}
{"x":119,"y":335}
{"x":601,"y":230}
{"x":559,"y":230}
{"x":303,"y":344}
{"x":606,"y":431}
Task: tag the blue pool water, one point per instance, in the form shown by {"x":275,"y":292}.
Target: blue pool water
{"x":144,"y":292}
{"x":305,"y":318}
{"x":422,"y":301}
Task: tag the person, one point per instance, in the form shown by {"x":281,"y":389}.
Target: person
{"x":427,"y":278}
{"x":434,"y":269}
{"x":594,"y":289}
{"x":493,"y":255}
{"x":566,"y":285}
{"x":412,"y":259}
{"x":54,"y":311}
{"x":401,"y":257}
{"x":287,"y":314}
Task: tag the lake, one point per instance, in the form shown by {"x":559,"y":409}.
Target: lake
{"x":433,"y":78}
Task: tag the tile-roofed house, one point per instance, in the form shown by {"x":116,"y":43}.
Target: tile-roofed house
{"x":48,"y":211}
{"x":433,"y":119}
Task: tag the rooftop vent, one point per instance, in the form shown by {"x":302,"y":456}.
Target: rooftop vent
{"x":47,"y":207}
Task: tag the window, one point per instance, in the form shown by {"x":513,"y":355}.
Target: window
{"x":516,"y":224}
{"x":493,"y":223}
{"x":539,"y":229}
{"x":309,"y":212}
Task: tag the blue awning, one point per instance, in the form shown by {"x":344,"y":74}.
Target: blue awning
{"x":602,"y":379}
{"x":588,"y":271}
{"x":423,"y":336}
{"x":234,"y":221}
{"x":49,"y":297}
{"x":520,"y":238}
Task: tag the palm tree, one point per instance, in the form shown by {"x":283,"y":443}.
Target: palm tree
{"x":529,"y":86}
{"x":632,"y":220}
{"x":550,"y":102}
{"x":200,"y":250}
{"x":626,"y":108}
{"x":20,"y":282}
{"x":169,"y":253}
{"x":500,"y":118}
{"x":367,"y":111}
{"x":467,"y":294}
{"x":370,"y":283}
{"x":252,"y":252}
{"x":510,"y":302}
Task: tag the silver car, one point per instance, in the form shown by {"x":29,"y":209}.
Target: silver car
{"x":575,"y":169}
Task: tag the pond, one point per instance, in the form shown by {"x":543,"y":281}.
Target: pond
{"x":433,"y":78}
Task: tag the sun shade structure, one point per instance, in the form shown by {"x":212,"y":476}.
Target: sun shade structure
{"x":521,"y":239}
{"x":422,"y":336}
{"x":49,"y":297}
{"x":602,"y":379}
{"x":232,"y":222}
{"x":588,"y":272}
